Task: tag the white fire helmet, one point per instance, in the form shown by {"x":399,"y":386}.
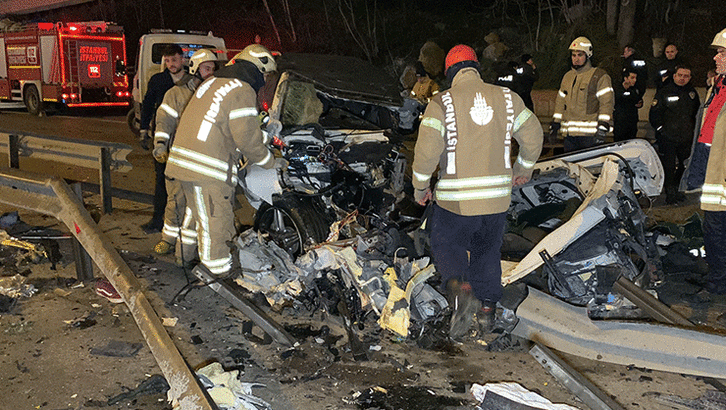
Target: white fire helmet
{"x":719,"y":40}
{"x":258,"y":55}
{"x":200,"y":56}
{"x":582,"y":44}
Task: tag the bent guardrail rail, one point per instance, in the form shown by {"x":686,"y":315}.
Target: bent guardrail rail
{"x":101,"y":155}
{"x":52,"y":196}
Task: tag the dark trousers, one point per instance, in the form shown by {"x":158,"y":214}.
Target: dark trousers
{"x":625,"y":127}
{"x":468,"y":248}
{"x":159,"y":194}
{"x":673,"y":155}
{"x":576,"y":143}
{"x":714,"y":240}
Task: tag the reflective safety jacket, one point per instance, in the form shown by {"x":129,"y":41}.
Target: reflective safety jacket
{"x":218,"y":126}
{"x":170,"y":110}
{"x":713,"y":195}
{"x":467,"y":131}
{"x":585,"y":97}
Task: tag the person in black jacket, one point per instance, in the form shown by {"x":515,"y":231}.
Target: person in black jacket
{"x":159,"y":84}
{"x":673,"y":115}
{"x":635,"y":63}
{"x":527,"y":75}
{"x":667,"y":67}
{"x":627,"y":101}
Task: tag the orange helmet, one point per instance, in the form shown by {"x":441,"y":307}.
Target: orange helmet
{"x":458,"y":54}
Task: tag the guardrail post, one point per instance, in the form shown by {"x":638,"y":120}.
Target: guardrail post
{"x":14,"y":151}
{"x":84,"y":264}
{"x":105,"y":179}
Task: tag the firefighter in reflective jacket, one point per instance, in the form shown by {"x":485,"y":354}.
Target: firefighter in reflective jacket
{"x":467,"y":132}
{"x":219,"y":124}
{"x":584,"y":104}
{"x":179,"y":226}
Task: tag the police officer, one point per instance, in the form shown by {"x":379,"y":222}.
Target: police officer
{"x":673,"y":115}
{"x":219,"y":124}
{"x":584,"y":104}
{"x":467,"y":133}
{"x":667,"y":67}
{"x":179,"y":226}
{"x":627,"y":102}
{"x":634,"y":63}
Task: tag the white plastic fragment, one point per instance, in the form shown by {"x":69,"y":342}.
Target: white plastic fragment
{"x":517,"y":393}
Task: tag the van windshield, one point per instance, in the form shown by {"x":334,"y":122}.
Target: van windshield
{"x":158,"y":49}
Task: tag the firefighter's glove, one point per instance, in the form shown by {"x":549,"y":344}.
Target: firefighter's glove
{"x":422,"y":196}
{"x":274,"y":127}
{"x":160,"y":153}
{"x":145,"y":140}
{"x":602,"y":129}
{"x":554,"y":129}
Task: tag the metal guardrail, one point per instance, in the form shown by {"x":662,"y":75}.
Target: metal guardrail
{"x":104,"y":156}
{"x":52,"y":196}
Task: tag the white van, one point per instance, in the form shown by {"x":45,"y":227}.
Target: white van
{"x":149,"y":59}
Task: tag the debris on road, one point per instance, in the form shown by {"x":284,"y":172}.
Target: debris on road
{"x":495,"y":396}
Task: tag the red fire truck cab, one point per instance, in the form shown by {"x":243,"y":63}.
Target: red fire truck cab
{"x":67,"y":64}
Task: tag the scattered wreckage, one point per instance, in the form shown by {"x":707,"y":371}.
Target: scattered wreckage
{"x":576,"y":231}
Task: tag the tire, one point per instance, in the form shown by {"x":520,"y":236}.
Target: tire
{"x":292,"y":222}
{"x":133,"y":122}
{"x":32,"y":100}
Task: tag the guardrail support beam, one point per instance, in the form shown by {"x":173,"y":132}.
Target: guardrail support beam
{"x":84,"y":264}
{"x":14,"y":151}
{"x":104,"y":178}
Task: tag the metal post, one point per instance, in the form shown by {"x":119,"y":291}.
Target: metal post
{"x":84,"y":264}
{"x":105,"y":179}
{"x":652,"y":306}
{"x":14,"y":151}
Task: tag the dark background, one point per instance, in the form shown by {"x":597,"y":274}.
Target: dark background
{"x":391,"y":33}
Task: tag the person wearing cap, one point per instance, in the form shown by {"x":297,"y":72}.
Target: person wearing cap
{"x":708,"y":171}
{"x":467,"y":132}
{"x":584,"y":103}
{"x":220,"y":125}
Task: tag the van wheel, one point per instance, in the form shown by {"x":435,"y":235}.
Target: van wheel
{"x":32,"y":100}
{"x":134,"y":123}
{"x":291,"y":223}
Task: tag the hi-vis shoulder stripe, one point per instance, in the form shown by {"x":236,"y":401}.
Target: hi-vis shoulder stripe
{"x":169,"y":110}
{"x":433,"y":123}
{"x":604,"y":91}
{"x":243,"y":112}
{"x":521,"y":118}
{"x":474,"y":182}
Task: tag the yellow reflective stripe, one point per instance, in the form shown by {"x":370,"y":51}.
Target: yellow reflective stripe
{"x":525,"y":163}
{"x":433,"y":123}
{"x":474,"y":182}
{"x":266,"y":159}
{"x":204,"y":159}
{"x":521,"y":118}
{"x":604,"y":91}
{"x":169,"y":110}
{"x":204,"y":246}
{"x":161,"y":135}
{"x":473,"y":195}
{"x":421,"y":177}
{"x":201,"y":169}
{"x":243,"y":112}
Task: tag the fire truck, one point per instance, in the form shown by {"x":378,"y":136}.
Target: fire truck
{"x":64,"y":64}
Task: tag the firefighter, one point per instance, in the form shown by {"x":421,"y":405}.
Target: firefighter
{"x":159,"y":84}
{"x":584,"y":104}
{"x":467,"y":132}
{"x":179,"y":226}
{"x":708,"y":169}
{"x":219,"y":125}
{"x":673,"y":116}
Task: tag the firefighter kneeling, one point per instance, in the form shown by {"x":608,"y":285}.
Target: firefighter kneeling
{"x":218,"y":125}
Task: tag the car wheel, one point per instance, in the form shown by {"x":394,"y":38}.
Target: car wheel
{"x":291,"y":222}
{"x":133,"y":122}
{"x":32,"y":100}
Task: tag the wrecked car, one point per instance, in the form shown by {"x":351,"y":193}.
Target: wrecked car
{"x":339,"y":154}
